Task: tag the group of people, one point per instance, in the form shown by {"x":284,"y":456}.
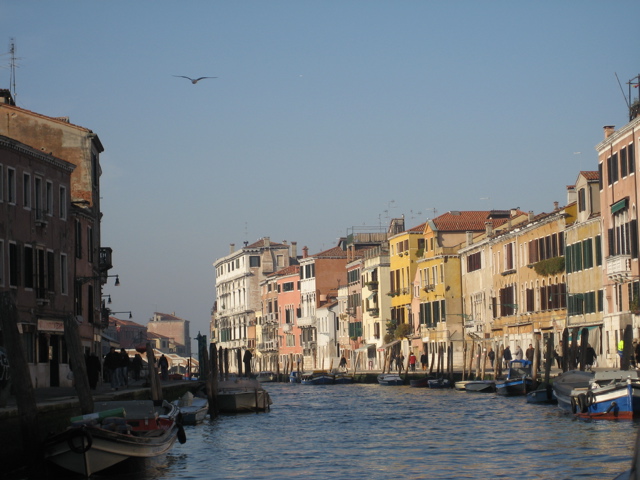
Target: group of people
{"x":117,"y":366}
{"x":397,"y":361}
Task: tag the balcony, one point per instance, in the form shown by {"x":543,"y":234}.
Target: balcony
{"x":268,"y":346}
{"x":619,"y":268}
{"x":373,"y":285}
{"x":105,"y":259}
{"x":307,"y":322}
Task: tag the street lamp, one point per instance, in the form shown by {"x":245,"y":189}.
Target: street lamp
{"x":99,"y":277}
{"x":114,"y":313}
{"x":108,"y":301}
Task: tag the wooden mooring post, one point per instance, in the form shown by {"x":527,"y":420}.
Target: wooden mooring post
{"x":21,"y":379}
{"x":154,"y":380}
{"x":78,"y":362}
{"x":212,"y":392}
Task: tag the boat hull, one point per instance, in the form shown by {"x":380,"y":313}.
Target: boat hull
{"x":541,"y":395}
{"x":390,"y":379}
{"x":481,"y":386}
{"x":610,"y":402}
{"x":317,"y":378}
{"x":568,"y":384}
{"x":439,"y":383}
{"x":419,"y":383}
{"x":242,"y":395}
{"x":514,"y":387}
{"x":341,"y":379}
{"x":90,"y":448}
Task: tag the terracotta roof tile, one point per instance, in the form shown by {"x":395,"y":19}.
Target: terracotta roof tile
{"x":471,"y":220}
{"x":261,"y":243}
{"x":590,"y":175}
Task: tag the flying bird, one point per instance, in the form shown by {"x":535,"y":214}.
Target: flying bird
{"x":193,"y":80}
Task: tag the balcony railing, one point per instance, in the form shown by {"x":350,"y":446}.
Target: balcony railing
{"x":307,"y":322}
{"x":619,"y":267}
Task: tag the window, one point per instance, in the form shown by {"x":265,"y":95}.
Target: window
{"x":26,"y":190}
{"x":48,"y":199}
{"x":1,"y":263}
{"x":508,"y":256}
{"x":90,"y":244}
{"x":287,"y":287}
{"x":11,"y":186}
{"x":14,"y":269}
{"x":50,"y":271}
{"x":254,"y":261}
{"x":78,"y":239}
{"x":39,"y":200}
{"x":40,"y":273}
{"x":623,"y":162}
{"x":29,"y":272}
{"x":62,"y":197}
{"x":582,"y":201}
{"x":474,"y":262}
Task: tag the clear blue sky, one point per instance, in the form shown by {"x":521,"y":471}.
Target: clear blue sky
{"x":325,"y":115}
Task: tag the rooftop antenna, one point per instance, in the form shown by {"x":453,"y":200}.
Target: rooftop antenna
{"x":13,"y":64}
{"x":626,"y":100}
{"x":433,"y":211}
{"x":634,"y":108}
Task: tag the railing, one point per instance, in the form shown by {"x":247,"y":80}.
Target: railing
{"x":619,"y":267}
{"x":307,"y":322}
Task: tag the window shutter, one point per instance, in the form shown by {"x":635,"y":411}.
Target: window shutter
{"x":634,"y":238}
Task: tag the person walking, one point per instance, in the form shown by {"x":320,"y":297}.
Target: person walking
{"x":111,"y":365}
{"x":343,"y":363}
{"x":492,"y":356}
{"x":590,"y":357}
{"x":124,"y":367}
{"x":136,"y":366}
{"x":400,"y":362}
{"x":518,"y":353}
{"x":93,"y":370}
{"x":530,"y":353}
{"x":163,"y":363}
{"x":506,"y":355}
{"x":559,"y":353}
{"x":412,"y":362}
{"x":424,"y":360}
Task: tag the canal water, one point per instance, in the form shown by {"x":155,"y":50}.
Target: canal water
{"x":374,"y":432}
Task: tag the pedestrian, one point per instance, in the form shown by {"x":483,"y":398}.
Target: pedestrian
{"x":620,"y":349}
{"x":124,"y":367}
{"x":163,"y":363}
{"x":506,"y":355}
{"x":400,"y":362}
{"x":529,"y":353}
{"x":518,"y":352}
{"x":93,"y":369}
{"x":637,"y":353}
{"x":343,"y":363}
{"x":392,"y":361}
{"x":136,"y":366}
{"x":412,"y":362}
{"x":559,"y":353}
{"x":492,"y":356}
{"x":111,"y":365}
{"x":424,"y":361}
{"x":590,"y":359}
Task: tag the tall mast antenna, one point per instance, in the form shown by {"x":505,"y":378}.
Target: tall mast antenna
{"x":13,"y":65}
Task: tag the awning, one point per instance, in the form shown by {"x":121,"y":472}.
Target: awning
{"x":619,"y":205}
{"x":387,"y":345}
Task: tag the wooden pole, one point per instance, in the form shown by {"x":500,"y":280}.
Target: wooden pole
{"x":473,"y":349}
{"x":584,"y":341}
{"x":565,"y":350}
{"x":464,"y":359}
{"x":226,"y":364}
{"x":534,"y":369}
{"x":239,"y":360}
{"x":627,"y":349}
{"x":450,"y":362}
{"x":548,"y":359}
{"x":154,"y":381}
{"x":483,"y":365}
{"x":22,"y":386}
{"x":212,"y":394}
{"x":433,"y":357}
{"x":76,"y":357}
{"x":499,"y":356}
{"x":221,"y":363}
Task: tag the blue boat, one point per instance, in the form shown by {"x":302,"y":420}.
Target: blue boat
{"x":294,"y":377}
{"x":317,"y":377}
{"x":612,"y":394}
{"x":390,"y":379}
{"x":518,"y":381}
{"x":342,"y":378}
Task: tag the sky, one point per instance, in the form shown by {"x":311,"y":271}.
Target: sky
{"x":324,"y":116}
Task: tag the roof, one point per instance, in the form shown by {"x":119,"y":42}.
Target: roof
{"x":124,"y":323}
{"x":290,"y":270}
{"x":591,"y":175}
{"x":334,"y":252}
{"x":470,"y":220}
{"x":262,"y":244}
{"x":167,"y":316}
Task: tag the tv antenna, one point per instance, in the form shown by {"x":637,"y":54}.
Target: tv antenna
{"x":13,"y":64}
{"x":434,"y":211}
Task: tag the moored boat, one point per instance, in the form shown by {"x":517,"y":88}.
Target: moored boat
{"x":542,"y":394}
{"x":518,"y":381}
{"x":242,"y":395}
{"x":343,"y":378}
{"x":438,"y":383}
{"x":266,"y":376}
{"x":193,"y":409}
{"x":294,"y":376}
{"x":570,"y":384}
{"x":481,"y":386}
{"x":419,"y":382}
{"x":612,"y":394}
{"x":317,"y":377}
{"x":115,"y":432}
{"x":390,"y":379}
{"x":461,"y":384}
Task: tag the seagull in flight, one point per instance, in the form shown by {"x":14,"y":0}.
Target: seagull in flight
{"x":193,"y":80}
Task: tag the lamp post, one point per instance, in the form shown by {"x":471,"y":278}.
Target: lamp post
{"x":99,"y":277}
{"x":114,"y":313}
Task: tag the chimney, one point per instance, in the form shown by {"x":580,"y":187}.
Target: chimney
{"x":267,"y":242}
{"x":305,"y":252}
{"x":489,"y":228}
{"x":571,"y":194}
{"x":294,"y":249}
{"x":555,"y":205}
{"x":531,"y":215}
{"x":469,"y":238}
{"x":232,"y":247}
{"x":608,"y":130}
